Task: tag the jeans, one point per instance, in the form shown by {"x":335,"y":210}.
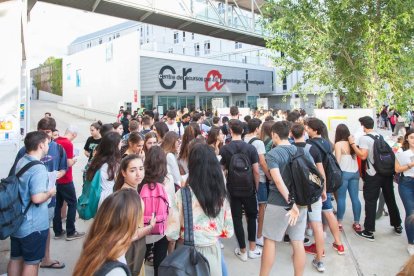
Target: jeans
{"x":372,"y":187}
{"x":406,"y":191}
{"x":350,"y":183}
{"x":65,"y":192}
{"x":250,"y":208}
{"x":223,"y":266}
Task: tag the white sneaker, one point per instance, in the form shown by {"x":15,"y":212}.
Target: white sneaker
{"x":240,"y":255}
{"x":410,"y":249}
{"x":260,"y":241}
{"x":257,"y":253}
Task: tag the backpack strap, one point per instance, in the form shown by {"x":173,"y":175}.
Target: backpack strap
{"x":318,"y":145}
{"x":110,"y":265}
{"x":27,"y":167}
{"x":252,"y":140}
{"x":188,"y":216}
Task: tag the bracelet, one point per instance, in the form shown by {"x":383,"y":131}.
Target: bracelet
{"x":352,"y":144}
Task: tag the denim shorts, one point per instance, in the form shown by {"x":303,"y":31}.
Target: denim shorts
{"x":30,"y":248}
{"x":327,"y":204}
{"x":262,"y":193}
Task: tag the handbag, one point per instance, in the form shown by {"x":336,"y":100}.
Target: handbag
{"x":185,"y":260}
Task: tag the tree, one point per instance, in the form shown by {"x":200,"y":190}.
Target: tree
{"x":360,"y":49}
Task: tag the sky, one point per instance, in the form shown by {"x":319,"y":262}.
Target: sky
{"x":52,"y":28}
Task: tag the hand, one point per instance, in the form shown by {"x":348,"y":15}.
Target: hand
{"x":351,"y":139}
{"x":324,"y":196}
{"x":293,"y":215}
{"x":153,"y":220}
{"x":52,"y":192}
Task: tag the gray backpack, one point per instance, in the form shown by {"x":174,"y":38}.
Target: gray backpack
{"x":185,"y":260}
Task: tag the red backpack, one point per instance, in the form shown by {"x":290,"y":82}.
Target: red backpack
{"x":155,"y":201}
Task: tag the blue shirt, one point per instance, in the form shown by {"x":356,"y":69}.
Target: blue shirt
{"x":55,"y":160}
{"x":32,"y":182}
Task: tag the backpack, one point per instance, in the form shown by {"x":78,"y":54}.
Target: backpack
{"x":307,"y":183}
{"x":109,"y":265}
{"x":185,"y":260}
{"x":333,"y":172}
{"x":91,"y":193}
{"x":240,"y":181}
{"x":384,"y":157}
{"x":11,"y":205}
{"x":156,"y":202}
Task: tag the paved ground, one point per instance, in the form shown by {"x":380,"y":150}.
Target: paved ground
{"x":384,"y":257}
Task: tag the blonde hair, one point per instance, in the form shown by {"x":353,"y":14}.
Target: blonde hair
{"x":408,"y":268}
{"x":111,"y":233}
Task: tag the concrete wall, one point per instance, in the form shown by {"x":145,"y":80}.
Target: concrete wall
{"x":88,"y":113}
{"x":47,"y":96}
{"x":107,"y":80}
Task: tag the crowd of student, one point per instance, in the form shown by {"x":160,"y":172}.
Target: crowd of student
{"x":233,"y":168}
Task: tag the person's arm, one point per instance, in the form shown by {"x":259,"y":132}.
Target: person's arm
{"x":360,"y":152}
{"x":38,"y":187}
{"x":256,"y":175}
{"x":403,"y":168}
{"x":293,"y":213}
{"x":263,"y":165}
{"x":86,"y":148}
{"x":42,"y":197}
{"x":63,"y":163}
{"x":338,"y":152}
{"x":321,"y":170}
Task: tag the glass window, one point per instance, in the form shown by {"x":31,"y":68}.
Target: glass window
{"x":68,"y":71}
{"x":100,"y":40}
{"x":205,"y":101}
{"x":252,"y":101}
{"x":207,"y":47}
{"x":147,"y":101}
{"x":284,"y":83}
{"x":170,"y":50}
{"x":237,"y":45}
{"x":196,"y":49}
{"x":176,"y":38}
{"x":192,"y":36}
{"x":183,"y":36}
{"x":78,"y":78}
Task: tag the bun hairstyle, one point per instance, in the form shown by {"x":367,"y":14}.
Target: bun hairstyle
{"x":97,"y":125}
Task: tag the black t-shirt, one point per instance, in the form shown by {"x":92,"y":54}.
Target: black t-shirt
{"x":233,"y":147}
{"x":91,"y":144}
{"x":314,"y":152}
{"x":325,"y":144}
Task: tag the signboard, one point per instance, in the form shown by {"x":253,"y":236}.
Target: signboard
{"x":350,"y":117}
{"x":135,"y":96}
{"x":217,"y":103}
{"x":178,"y":76}
{"x":263,"y":103}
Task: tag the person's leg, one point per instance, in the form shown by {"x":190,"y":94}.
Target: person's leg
{"x":236,"y":212}
{"x":315,"y":220}
{"x":224,"y":270}
{"x":69,"y":195}
{"x":57,"y":220}
{"x":381,"y":205}
{"x":250,"y":207}
{"x":160,"y":252}
{"x":353,"y":189}
{"x":371,"y":193}
{"x":341,"y":199}
{"x":262,"y":208}
{"x":406,"y":191}
{"x":387,"y":186}
{"x":64,"y":211}
{"x":327,"y":211}
{"x":268,"y":257}
{"x":299,"y":257}
{"x":15,"y":267}
{"x":30,"y":270}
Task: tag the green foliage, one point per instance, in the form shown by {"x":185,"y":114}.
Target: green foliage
{"x":362,"y":49}
{"x":49,"y":76}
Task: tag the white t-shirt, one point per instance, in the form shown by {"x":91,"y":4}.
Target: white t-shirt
{"x":174,"y":127}
{"x":366,"y":142}
{"x":404,"y":158}
{"x":260,"y":147}
{"x":106,"y":185}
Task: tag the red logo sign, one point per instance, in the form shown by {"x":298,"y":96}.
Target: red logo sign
{"x":135,"y":96}
{"x":215,"y":77}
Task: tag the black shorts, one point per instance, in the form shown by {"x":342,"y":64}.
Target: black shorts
{"x":30,"y":248}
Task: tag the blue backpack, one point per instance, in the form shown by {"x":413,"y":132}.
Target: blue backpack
{"x":88,"y":201}
{"x":11,"y":205}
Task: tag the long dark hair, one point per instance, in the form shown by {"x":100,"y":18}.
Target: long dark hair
{"x":155,"y":166}
{"x":341,"y":134}
{"x":168,"y":144}
{"x":206,"y":179}
{"x":405,"y":145}
{"x":107,"y":152}
{"x":148,"y":136}
{"x":161,"y":129}
{"x":120,"y":179}
{"x":213,"y":135}
{"x":189,"y":135}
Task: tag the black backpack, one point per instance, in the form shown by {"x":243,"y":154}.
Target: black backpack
{"x":307,"y":183}
{"x":109,"y":265}
{"x":240,"y":180}
{"x":11,"y":215}
{"x":384,"y":157}
{"x":185,"y":260}
{"x":333,"y":172}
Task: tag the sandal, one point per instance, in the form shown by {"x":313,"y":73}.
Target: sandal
{"x":54,"y":265}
